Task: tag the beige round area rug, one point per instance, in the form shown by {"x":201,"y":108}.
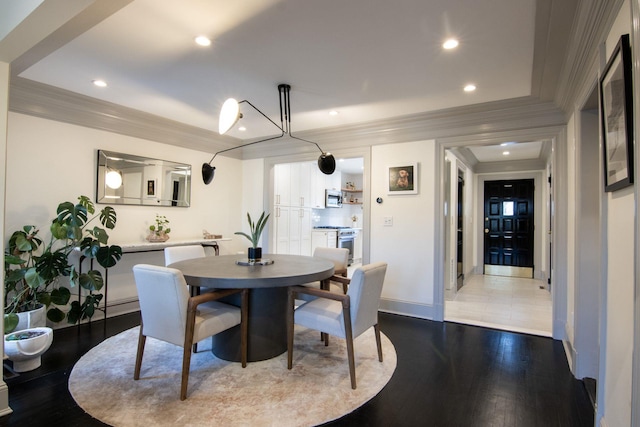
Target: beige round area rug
{"x":221,"y":393}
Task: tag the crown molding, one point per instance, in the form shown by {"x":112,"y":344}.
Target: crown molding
{"x":515,"y":119}
{"x":48,"y":102}
{"x":511,"y":166}
{"x":593,"y":20}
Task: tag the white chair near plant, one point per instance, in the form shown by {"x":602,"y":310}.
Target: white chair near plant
{"x":345,"y":316}
{"x":170,"y":314}
{"x":180,"y":253}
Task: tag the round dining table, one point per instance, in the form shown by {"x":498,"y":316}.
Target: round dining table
{"x":267,"y":296}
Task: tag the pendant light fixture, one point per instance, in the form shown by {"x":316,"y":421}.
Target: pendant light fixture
{"x":230,"y":114}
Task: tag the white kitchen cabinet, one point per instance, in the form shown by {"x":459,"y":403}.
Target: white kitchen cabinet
{"x":281,"y":222}
{"x":282,"y":184}
{"x":292,"y":184}
{"x":293,"y":230}
{"x":333,"y":181}
{"x":323,"y":239}
{"x":317,"y":187}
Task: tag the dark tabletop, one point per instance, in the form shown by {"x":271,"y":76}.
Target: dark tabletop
{"x":223,"y":272}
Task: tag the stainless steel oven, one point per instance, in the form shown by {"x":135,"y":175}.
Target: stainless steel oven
{"x":346,"y":237}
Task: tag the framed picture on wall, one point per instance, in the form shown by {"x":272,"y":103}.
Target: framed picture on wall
{"x":616,"y":113}
{"x":151,"y":187}
{"x":403,"y":179}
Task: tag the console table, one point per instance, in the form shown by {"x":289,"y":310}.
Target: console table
{"x":139,"y":247}
{"x":159,"y":246}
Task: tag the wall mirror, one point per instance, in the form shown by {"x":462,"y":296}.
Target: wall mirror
{"x":126,"y":179}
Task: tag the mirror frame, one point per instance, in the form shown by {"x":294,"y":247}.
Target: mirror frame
{"x":144,"y":181}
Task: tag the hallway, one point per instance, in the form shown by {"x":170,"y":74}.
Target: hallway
{"x":506,"y":303}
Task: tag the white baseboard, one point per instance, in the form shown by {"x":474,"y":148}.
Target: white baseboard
{"x":4,"y":400}
{"x":405,"y":308}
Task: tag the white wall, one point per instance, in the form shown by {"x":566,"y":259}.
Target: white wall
{"x":253,"y":193}
{"x":571,"y":232}
{"x":50,"y":162}
{"x":408,"y":245}
{"x":4,"y":110}
{"x":615,"y":405}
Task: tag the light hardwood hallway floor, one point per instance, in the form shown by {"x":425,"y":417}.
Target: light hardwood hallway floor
{"x":506,"y":303}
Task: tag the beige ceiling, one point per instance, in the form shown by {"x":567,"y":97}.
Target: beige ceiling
{"x":368,"y":59}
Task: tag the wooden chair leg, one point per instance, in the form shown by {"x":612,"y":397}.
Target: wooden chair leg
{"x":141,"y":341}
{"x":186,"y":363}
{"x":186,"y":353}
{"x":244,"y":327}
{"x":376,"y":329}
{"x":346,"y":315}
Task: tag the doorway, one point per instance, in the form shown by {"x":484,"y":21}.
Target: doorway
{"x":460,"y":233}
{"x":508,"y":228}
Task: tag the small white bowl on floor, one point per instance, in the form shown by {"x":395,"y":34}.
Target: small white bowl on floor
{"x":25,"y":348}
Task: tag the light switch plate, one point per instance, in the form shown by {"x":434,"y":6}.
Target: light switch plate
{"x":388,"y":221}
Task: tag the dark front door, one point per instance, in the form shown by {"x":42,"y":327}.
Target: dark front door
{"x":508,"y":227}
{"x":460,"y":232}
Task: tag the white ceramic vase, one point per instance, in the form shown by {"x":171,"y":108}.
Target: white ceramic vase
{"x":26,"y":353}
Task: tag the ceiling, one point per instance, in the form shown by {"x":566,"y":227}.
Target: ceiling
{"x":366,"y":59}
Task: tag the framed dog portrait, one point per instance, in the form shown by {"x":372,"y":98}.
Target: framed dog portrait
{"x":403,"y":179}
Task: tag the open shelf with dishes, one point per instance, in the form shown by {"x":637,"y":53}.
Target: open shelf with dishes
{"x":351,"y":196}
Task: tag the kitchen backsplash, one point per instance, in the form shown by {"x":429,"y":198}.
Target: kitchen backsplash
{"x":341,"y":216}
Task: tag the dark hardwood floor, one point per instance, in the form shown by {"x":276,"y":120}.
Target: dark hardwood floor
{"x":447,"y":375}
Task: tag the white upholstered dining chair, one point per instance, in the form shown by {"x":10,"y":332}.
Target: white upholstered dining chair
{"x":345,"y":316}
{"x":170,"y":314}
{"x":180,"y":253}
{"x":340,"y":259}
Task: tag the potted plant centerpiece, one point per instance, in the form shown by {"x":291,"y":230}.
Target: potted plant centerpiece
{"x":35,"y":271}
{"x":254,"y":252}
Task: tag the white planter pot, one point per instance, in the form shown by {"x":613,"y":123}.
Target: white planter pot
{"x":25,"y":353}
{"x":32,"y":319}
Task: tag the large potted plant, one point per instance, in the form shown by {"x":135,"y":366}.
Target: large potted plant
{"x":254,"y":252}
{"x":35,"y":271}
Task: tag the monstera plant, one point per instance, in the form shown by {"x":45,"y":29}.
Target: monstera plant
{"x":41,"y":270}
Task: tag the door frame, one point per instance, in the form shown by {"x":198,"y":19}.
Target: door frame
{"x":514,"y":270}
{"x":540,"y":195}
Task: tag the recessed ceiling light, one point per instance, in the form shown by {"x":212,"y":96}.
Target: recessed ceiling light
{"x":100,"y":83}
{"x":341,"y":160}
{"x":505,"y":153}
{"x":333,"y":113}
{"x":450,"y":44}
{"x":242,"y":128}
{"x":470,"y":88}
{"x":203,"y":41}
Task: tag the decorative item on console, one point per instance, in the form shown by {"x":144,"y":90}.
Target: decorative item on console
{"x":207,"y":235}
{"x":159,"y":232}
